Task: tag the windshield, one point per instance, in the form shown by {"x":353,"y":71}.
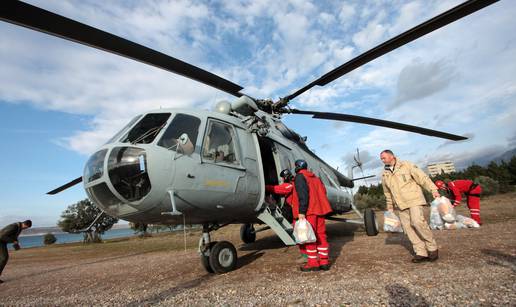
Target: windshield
{"x":146,"y":130}
{"x":119,"y":134}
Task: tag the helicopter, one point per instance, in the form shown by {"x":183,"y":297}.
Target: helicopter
{"x":190,"y":166}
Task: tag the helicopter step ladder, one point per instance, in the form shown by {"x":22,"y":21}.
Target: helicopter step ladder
{"x":279,"y":224}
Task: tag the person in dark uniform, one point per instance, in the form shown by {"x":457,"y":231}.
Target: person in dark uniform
{"x":9,"y":234}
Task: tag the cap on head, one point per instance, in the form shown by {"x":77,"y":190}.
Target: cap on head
{"x":300,"y":164}
{"x":440,"y":184}
{"x":28,"y":223}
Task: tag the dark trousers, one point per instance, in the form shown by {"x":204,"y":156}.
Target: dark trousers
{"x":4,"y":256}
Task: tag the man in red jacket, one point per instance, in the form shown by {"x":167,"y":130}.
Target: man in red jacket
{"x":455,"y":188}
{"x":309,"y":201}
{"x":284,"y":189}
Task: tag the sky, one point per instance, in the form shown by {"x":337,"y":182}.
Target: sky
{"x":60,"y":101}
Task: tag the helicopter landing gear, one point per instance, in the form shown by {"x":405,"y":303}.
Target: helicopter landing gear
{"x":247,"y":233}
{"x":216,"y":257}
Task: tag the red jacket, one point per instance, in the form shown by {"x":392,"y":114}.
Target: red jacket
{"x":457,"y":187}
{"x":318,"y":203}
{"x":285,"y":189}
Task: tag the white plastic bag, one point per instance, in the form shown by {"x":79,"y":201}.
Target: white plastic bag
{"x":303,"y":232}
{"x":467,"y":222}
{"x":436,"y":222}
{"x":454,"y":225}
{"x":445,"y":209}
{"x":391,"y":222}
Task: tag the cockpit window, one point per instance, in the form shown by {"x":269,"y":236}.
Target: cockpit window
{"x":183,"y":128}
{"x":146,"y":130}
{"x":119,"y":134}
{"x":219,"y":143}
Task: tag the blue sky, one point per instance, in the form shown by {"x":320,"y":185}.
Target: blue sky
{"x":59,"y":101}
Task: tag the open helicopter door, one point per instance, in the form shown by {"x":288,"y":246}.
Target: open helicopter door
{"x":275,"y":157}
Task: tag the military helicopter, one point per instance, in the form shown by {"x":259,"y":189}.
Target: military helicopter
{"x":176,"y":166}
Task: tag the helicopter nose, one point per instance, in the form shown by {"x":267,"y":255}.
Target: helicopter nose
{"x":127,"y":171}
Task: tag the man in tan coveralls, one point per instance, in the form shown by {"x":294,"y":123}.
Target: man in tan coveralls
{"x":402,"y":182}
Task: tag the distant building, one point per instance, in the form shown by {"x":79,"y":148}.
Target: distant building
{"x":437,"y":168}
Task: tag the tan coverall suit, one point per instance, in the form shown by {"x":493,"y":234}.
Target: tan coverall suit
{"x":402,"y":188}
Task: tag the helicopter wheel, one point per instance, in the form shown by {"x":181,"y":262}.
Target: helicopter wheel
{"x":205,"y":260}
{"x":247,"y":233}
{"x":370,"y":223}
{"x":223,"y":257}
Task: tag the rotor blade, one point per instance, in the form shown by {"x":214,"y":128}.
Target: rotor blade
{"x":35,"y":18}
{"x":65,"y":186}
{"x":365,"y":177}
{"x":433,"y":24}
{"x":380,"y":122}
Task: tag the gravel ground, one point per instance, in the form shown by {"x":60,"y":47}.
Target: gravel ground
{"x":476,"y":267}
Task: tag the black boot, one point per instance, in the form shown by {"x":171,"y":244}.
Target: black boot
{"x":433,"y":255}
{"x":418,"y":259}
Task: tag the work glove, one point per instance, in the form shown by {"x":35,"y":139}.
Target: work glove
{"x":16,"y":246}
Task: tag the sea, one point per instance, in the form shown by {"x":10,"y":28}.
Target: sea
{"x":36,"y":240}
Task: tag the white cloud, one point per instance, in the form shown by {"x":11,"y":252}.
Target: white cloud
{"x":418,"y":80}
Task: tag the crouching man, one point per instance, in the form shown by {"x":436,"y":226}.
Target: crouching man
{"x":9,"y":234}
{"x":402,"y":182}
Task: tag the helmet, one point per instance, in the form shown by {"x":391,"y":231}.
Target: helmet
{"x":300,"y":164}
{"x":286,"y":174}
{"x":440,"y":184}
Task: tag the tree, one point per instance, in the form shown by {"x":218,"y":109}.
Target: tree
{"x":80,"y":215}
{"x":49,"y":239}
{"x":140,"y":228}
{"x":489,"y":185}
{"x":511,"y":166}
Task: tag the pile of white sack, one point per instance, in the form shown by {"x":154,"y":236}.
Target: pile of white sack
{"x":443,"y":216}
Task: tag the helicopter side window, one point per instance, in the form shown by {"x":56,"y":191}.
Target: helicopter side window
{"x":146,"y":130}
{"x":219,"y":143}
{"x":185,"y":127}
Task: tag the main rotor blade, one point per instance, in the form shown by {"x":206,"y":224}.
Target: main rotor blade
{"x":380,"y":122}
{"x":65,"y":186}
{"x":433,"y":24}
{"x":38,"y":19}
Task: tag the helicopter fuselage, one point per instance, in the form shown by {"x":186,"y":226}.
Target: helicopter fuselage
{"x":174,"y":166}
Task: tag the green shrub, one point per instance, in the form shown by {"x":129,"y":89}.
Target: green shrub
{"x":49,"y":239}
{"x":489,"y":185}
{"x":363,"y":201}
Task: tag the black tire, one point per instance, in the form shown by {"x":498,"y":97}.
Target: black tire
{"x":223,"y":257}
{"x":205,"y":260}
{"x":370,"y":224}
{"x":247,"y":233}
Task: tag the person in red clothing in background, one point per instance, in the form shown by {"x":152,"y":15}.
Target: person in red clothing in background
{"x":309,"y":201}
{"x":456,"y":188}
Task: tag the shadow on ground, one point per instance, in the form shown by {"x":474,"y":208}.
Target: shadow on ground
{"x":500,"y":259}
{"x":401,"y":296}
{"x":399,"y":239}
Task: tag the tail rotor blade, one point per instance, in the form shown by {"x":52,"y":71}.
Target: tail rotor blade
{"x":65,"y":186}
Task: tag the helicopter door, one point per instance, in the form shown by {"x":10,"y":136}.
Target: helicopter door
{"x":222,"y":172}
